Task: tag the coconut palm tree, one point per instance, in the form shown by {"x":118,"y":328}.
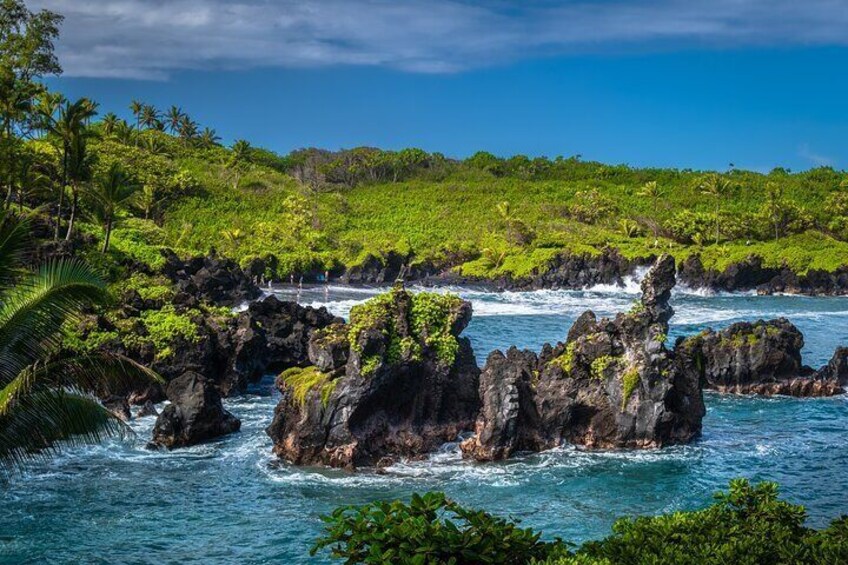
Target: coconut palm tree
{"x":716,"y":187}
{"x":110,"y":122}
{"x":136,"y":107}
{"x":239,"y":159}
{"x":173,"y":118}
{"x":188,"y":129}
{"x":79,"y":161}
{"x":653,"y":191}
{"x":149,"y":117}
{"x":71,"y":132}
{"x":112,"y":192}
{"x":47,"y":398}
{"x":208,"y":138}
{"x":124,"y":132}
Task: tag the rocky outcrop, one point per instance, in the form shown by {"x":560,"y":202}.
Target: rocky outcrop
{"x":212,"y":279}
{"x":230,"y":350}
{"x":752,"y":274}
{"x":612,"y":384}
{"x":756,"y":358}
{"x":408,"y":384}
{"x":837,"y":368}
{"x":195,"y":414}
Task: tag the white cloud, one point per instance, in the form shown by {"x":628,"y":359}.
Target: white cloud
{"x":152,"y":38}
{"x":813,"y":157}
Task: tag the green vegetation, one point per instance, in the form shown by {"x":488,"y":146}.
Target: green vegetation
{"x":600,"y":365}
{"x":629,"y":382}
{"x":566,"y":360}
{"x":160,"y":179}
{"x":430,"y":317}
{"x":747,"y":524}
{"x":46,"y":396}
{"x":305,"y":380}
{"x":431,"y":529}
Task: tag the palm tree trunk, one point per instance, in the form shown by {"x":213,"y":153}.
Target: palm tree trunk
{"x":108,"y":235}
{"x":717,"y":221}
{"x":73,"y":213}
{"x":61,"y":191}
{"x":59,"y":212}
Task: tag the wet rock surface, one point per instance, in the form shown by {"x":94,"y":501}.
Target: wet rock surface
{"x":195,"y":414}
{"x":612,"y":384}
{"x":752,"y":274}
{"x":211,"y":278}
{"x":762,"y":357}
{"x":409,"y":384}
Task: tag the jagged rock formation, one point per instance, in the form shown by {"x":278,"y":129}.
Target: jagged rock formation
{"x":230,"y":351}
{"x":195,"y":414}
{"x":613,"y":384}
{"x":272,"y":335}
{"x":751,"y":273}
{"x":212,"y":278}
{"x":758,"y":358}
{"x":397,"y":381}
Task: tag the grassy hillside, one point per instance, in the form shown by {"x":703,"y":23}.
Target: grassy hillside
{"x":484,"y":216}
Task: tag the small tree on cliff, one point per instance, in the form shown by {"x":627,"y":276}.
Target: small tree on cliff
{"x":112,"y":192}
{"x":239,"y":160}
{"x":653,"y":191}
{"x":717,"y":188}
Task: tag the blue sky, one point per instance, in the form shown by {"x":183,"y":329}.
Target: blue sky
{"x":648,"y":82}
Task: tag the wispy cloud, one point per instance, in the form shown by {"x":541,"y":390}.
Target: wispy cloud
{"x":152,"y":38}
{"x":813,"y":157}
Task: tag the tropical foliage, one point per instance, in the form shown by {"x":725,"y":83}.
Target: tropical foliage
{"x":47,"y":397}
{"x":747,"y":524}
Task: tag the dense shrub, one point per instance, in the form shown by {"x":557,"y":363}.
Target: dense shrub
{"x":749,"y":524}
{"x":432,"y":529}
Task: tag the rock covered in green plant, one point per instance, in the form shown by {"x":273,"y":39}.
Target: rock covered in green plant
{"x":763,"y":357}
{"x":612,"y":384}
{"x":408,"y":385}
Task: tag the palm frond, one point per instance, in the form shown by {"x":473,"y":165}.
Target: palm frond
{"x":14,"y":233}
{"x":41,"y":424}
{"x":32,"y":313}
{"x":103,"y":374}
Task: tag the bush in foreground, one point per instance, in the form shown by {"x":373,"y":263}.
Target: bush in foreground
{"x":748,"y":525}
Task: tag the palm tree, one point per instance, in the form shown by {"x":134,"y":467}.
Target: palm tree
{"x":136,"y":108}
{"x":114,"y":191}
{"x":149,"y":117}
{"x":239,"y":159}
{"x":47,"y":399}
{"x":187,"y":129}
{"x":173,"y":118}
{"x":70,"y":129}
{"x":653,"y":191}
{"x":717,"y":187}
{"x":32,"y":178}
{"x":774,"y":205}
{"x":208,"y":138}
{"x":78,"y":161}
{"x":124,"y":132}
{"x":110,"y":122}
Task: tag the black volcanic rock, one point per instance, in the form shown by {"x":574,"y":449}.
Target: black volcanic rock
{"x":409,"y":384}
{"x":212,"y":278}
{"x":195,"y":414}
{"x":763,"y":357}
{"x":613,"y":384}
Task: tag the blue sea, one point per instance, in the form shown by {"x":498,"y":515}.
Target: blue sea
{"x":231,"y":501}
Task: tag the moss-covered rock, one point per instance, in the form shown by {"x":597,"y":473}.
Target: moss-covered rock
{"x":409,"y":384}
{"x":613,"y":384}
